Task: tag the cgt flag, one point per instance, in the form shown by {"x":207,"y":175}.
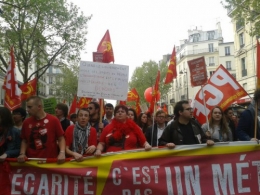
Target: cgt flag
{"x":171,"y":73}
{"x":222,"y":90}
{"x":28,"y":89}
{"x":105,"y":47}
{"x":12,"y":92}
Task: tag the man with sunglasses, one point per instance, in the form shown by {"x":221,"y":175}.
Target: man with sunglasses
{"x":184,"y":130}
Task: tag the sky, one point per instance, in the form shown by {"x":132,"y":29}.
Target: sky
{"x":144,"y":30}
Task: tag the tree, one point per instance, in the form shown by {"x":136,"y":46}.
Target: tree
{"x":43,"y":33}
{"x":66,"y":84}
{"x":145,"y":76}
{"x":245,"y":11}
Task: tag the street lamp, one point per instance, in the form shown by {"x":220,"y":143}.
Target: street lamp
{"x":186,"y":74}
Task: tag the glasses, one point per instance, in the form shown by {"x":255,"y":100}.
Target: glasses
{"x":189,"y":109}
{"x":160,"y":116}
{"x":90,"y":108}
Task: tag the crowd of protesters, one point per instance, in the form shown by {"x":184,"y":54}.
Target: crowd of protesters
{"x":41,"y":135}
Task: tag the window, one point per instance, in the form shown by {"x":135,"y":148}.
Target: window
{"x":243,"y":67}
{"x":241,"y":40}
{"x":211,"y":61}
{"x":228,"y":65}
{"x":50,"y":80}
{"x":211,"y":48}
{"x":240,"y":24}
{"x":211,"y":73}
{"x":210,"y":35}
{"x":50,"y":69}
{"x":227,"y":51}
{"x":51,"y":91}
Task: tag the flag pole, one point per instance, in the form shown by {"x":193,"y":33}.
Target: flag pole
{"x":204,"y":102}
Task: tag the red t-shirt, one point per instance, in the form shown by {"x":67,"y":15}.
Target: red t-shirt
{"x":133,"y":137}
{"x":92,"y":138}
{"x":41,"y":136}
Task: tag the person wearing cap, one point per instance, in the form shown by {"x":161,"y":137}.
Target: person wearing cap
{"x":245,"y":130}
{"x":19,"y":115}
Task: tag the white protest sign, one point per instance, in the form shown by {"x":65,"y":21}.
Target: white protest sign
{"x":101,"y":80}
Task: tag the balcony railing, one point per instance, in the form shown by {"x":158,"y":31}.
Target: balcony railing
{"x":197,"y":51}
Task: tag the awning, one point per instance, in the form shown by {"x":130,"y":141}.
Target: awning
{"x":243,"y":100}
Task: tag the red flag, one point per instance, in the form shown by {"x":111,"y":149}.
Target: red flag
{"x":73,"y":106}
{"x":132,"y":95}
{"x":171,"y":73}
{"x":122,"y":102}
{"x":138,"y":107}
{"x":83,"y":102}
{"x":258,"y":65}
{"x":222,"y":90}
{"x":165,"y":109}
{"x":12,"y":91}
{"x":155,"y":92}
{"x":28,"y":89}
{"x":105,"y":47}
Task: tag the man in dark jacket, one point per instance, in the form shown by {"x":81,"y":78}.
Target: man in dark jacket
{"x":184,"y":130}
{"x":154,"y":132}
{"x":245,"y":130}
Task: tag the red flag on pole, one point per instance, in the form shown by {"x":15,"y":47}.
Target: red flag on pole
{"x":12,"y":91}
{"x":171,"y":73}
{"x":28,"y":89}
{"x":83,"y":102}
{"x":154,"y":93}
{"x":73,"y":106}
{"x":258,"y":65}
{"x":105,"y":47}
{"x":132,"y":95}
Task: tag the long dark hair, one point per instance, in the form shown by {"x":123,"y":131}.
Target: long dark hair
{"x":6,"y":119}
{"x":143,"y":126}
{"x":223,"y":123}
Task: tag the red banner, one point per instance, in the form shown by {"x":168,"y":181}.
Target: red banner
{"x":28,"y":89}
{"x":222,"y":90}
{"x":198,"y":72}
{"x":225,"y":168}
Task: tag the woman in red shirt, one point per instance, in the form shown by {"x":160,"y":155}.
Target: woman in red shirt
{"x":81,"y":138}
{"x":121,"y":134}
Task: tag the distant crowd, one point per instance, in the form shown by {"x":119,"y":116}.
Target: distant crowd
{"x":42,"y":135}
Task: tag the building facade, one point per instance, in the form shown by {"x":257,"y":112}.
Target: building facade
{"x":198,"y":44}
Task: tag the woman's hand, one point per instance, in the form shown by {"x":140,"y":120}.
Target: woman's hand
{"x":210,"y":143}
{"x":78,"y":157}
{"x":3,"y":157}
{"x":21,"y":158}
{"x":147,"y":146}
{"x":98,"y":153}
{"x":170,"y":145}
{"x":90,"y":149}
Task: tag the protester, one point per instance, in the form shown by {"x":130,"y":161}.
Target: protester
{"x":154,"y":132}
{"x":245,"y":130}
{"x":19,"y":115}
{"x":109,"y":110}
{"x":132,"y":114}
{"x":183,"y":130}
{"x":10,"y":141}
{"x":121,"y":134}
{"x":231,"y":123}
{"x":142,"y":121}
{"x":81,"y":138}
{"x":61,"y":112}
{"x":40,"y":133}
{"x":218,"y":127}
{"x":73,"y":118}
{"x":94,"y":110}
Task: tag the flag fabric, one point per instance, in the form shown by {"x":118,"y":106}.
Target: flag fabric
{"x":28,"y":89}
{"x":12,"y":98}
{"x":83,"y":102}
{"x":73,"y":106}
{"x":172,"y":72}
{"x":258,"y":65}
{"x":105,"y":47}
{"x":122,"y":102}
{"x":154,"y":93}
{"x":132,"y":95}
{"x":138,"y":107}
{"x":165,"y":109}
{"x":221,"y":90}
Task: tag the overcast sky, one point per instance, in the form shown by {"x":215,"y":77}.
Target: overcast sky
{"x":143,"y":30}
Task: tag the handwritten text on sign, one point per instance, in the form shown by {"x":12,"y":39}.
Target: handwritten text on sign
{"x":100,"y":80}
